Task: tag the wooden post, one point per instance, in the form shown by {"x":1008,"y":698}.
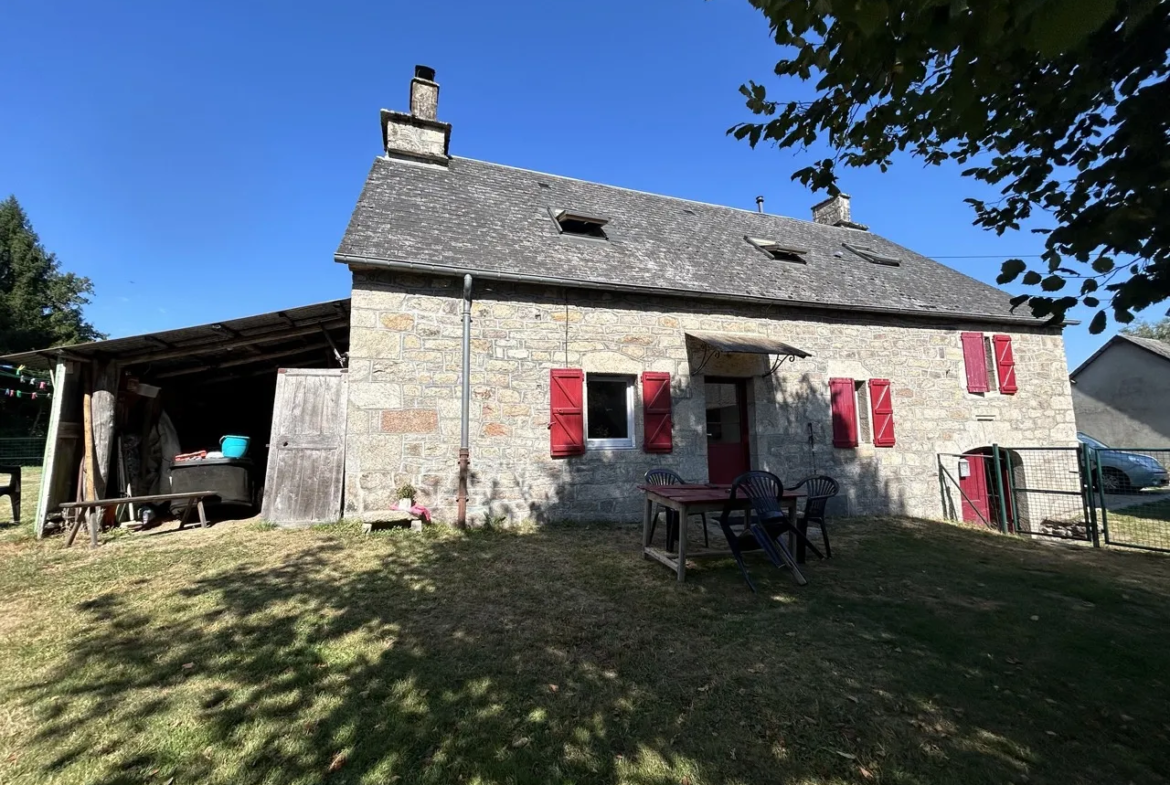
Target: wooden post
{"x":49,"y":466}
{"x":87,"y":462}
{"x":647,"y":522}
{"x":103,"y":403}
{"x":73,"y":527}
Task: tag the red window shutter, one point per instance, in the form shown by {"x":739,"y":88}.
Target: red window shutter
{"x":656,"y":412}
{"x":976,"y":361}
{"x":1005,"y":364}
{"x":844,"y":412}
{"x":566,"y":429}
{"x":883,"y":412}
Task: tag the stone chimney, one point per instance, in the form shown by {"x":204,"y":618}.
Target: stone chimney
{"x":834,"y":211}
{"x":424,"y":93}
{"x":419,"y":135}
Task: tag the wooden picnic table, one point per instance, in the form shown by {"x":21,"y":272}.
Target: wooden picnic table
{"x":692,"y":499}
{"x":194,"y":500}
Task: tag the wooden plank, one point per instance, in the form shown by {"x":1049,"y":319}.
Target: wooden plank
{"x":234,"y":343}
{"x":88,"y":463}
{"x":306,"y":456}
{"x":308,"y":441}
{"x":158,"y":497}
{"x":125,"y":486}
{"x":73,"y":528}
{"x":258,"y":358}
{"x":49,"y":467}
{"x":706,"y":554}
{"x":659,"y":556}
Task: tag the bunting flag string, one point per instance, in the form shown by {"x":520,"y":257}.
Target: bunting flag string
{"x":8,"y":392}
{"x":19,"y":373}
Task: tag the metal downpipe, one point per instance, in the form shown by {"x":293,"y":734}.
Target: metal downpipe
{"x":465,"y":407}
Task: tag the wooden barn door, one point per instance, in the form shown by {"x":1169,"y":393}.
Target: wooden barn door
{"x":306,"y":454}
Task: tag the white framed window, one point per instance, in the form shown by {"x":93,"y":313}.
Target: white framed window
{"x":609,"y":412}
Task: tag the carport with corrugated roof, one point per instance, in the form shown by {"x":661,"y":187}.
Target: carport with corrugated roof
{"x":175,"y":391}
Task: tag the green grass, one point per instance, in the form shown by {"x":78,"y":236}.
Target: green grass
{"x":921,"y":653}
{"x":1145,"y":524}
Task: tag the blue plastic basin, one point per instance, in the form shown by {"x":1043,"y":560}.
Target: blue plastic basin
{"x":234,"y":446}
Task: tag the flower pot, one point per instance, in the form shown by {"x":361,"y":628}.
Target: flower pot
{"x":405,"y":504}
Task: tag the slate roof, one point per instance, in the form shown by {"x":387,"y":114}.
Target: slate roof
{"x":1160,"y":348}
{"x":493,"y":221}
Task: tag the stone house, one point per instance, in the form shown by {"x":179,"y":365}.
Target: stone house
{"x":609,"y":331}
{"x":1119,"y":394}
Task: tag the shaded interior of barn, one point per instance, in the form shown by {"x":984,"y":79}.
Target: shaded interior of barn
{"x":178,"y":393}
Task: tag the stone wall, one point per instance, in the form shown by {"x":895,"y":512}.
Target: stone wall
{"x":405,"y":349}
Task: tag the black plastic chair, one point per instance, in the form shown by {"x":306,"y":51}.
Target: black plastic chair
{"x":11,"y":489}
{"x":819,"y":489}
{"x":763,"y":524}
{"x":671,"y":477}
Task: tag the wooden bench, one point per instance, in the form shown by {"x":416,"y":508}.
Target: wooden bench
{"x":11,"y":489}
{"x":194,"y":500}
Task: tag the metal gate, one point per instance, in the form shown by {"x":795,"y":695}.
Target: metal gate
{"x":1029,"y":491}
{"x":22,"y":451}
{"x":1097,"y":494}
{"x":1130,"y":496}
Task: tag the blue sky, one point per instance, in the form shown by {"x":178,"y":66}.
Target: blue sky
{"x":199,"y":160}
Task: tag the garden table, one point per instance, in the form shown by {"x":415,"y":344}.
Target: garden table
{"x":692,"y":499}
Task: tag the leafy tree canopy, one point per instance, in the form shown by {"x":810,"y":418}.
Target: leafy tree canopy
{"x":1063,"y":105}
{"x":1159,"y":331}
{"x":40,"y":306}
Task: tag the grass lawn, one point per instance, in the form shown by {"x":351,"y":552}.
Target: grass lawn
{"x":921,"y":653}
{"x":1145,"y":523}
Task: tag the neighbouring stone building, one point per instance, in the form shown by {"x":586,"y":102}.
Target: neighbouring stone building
{"x":612,"y":331}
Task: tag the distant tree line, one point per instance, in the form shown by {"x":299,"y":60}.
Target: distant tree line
{"x":40,"y":307}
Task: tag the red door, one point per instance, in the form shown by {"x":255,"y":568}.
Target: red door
{"x":976,"y":501}
{"x":727,"y":429}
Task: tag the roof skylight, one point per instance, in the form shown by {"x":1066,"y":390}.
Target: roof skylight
{"x":784,"y":253}
{"x":871,"y":255}
{"x":579,"y":224}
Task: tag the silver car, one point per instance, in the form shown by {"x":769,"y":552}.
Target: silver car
{"x":1123,"y":471}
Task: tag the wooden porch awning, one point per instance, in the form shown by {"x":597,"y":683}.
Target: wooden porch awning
{"x":729,"y":343}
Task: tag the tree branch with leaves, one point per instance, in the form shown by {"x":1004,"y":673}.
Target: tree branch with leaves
{"x":1063,"y":105}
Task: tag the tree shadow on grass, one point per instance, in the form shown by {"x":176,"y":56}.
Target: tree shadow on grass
{"x":557,"y":655}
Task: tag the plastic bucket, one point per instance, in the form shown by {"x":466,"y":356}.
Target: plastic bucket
{"x":234,"y":446}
